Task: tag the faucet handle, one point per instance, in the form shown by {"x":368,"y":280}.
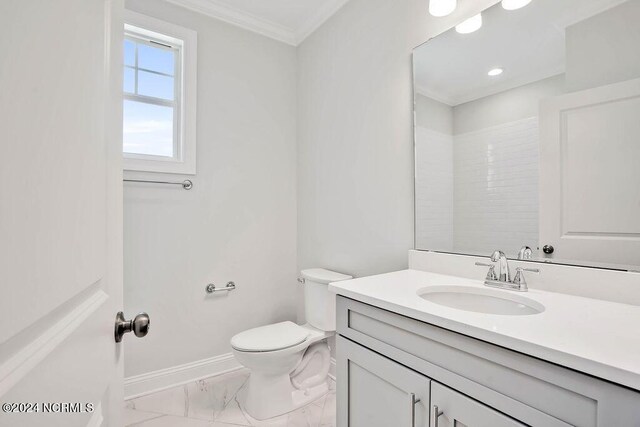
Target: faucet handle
{"x":491,"y":274}
{"x":519,"y":279}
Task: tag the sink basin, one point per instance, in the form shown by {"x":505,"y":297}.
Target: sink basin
{"x":479,"y":300}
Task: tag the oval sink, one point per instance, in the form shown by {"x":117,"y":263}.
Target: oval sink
{"x":480,"y":300}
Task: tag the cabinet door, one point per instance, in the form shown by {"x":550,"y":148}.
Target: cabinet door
{"x":374,"y":391}
{"x":452,"y":409}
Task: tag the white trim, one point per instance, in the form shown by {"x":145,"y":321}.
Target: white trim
{"x":97,"y":418}
{"x":151,"y":382}
{"x":186,"y":163}
{"x":27,"y":358}
{"x":247,"y":21}
{"x":243,"y":20}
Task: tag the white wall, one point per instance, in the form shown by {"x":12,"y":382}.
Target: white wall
{"x":355,"y":135}
{"x":239,"y":221}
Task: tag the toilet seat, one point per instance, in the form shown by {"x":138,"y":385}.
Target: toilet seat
{"x":278,"y":336}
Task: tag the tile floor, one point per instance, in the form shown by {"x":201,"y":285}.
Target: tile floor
{"x":212,"y":403}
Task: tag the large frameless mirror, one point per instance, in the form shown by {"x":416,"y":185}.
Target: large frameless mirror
{"x":527,"y":134}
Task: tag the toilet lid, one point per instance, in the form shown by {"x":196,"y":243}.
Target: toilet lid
{"x":270,"y":338}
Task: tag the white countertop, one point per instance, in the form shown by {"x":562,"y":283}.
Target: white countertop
{"x":596,"y":337}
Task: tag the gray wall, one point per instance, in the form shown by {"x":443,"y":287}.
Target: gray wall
{"x":354,"y":175}
{"x":504,"y":107}
{"x":434,"y":115}
{"x":604,"y":49}
{"x":355,"y":135}
{"x":239,"y":221}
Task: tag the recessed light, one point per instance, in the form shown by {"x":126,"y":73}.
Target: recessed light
{"x":514,"y":4}
{"x":442,"y":7}
{"x":470,"y":25}
{"x":495,"y":72}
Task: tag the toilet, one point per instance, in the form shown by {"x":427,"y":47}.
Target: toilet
{"x":289,"y":363}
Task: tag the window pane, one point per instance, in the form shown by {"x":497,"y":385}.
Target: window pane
{"x":129,"y":80}
{"x":155,"y":85}
{"x":156,"y":59}
{"x":129,"y":53}
{"x":148,"y":129}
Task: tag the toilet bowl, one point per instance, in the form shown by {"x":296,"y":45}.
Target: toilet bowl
{"x":289,"y":363}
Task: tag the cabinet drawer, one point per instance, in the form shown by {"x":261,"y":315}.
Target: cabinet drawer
{"x":525,"y":388}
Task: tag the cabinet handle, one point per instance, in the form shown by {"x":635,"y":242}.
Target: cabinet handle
{"x":435,"y":413}
{"x":414,"y":401}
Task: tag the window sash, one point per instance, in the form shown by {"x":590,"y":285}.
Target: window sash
{"x":137,"y":38}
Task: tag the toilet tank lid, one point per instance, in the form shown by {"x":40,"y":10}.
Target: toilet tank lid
{"x":320,"y":275}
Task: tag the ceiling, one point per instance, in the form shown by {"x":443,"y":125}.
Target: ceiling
{"x":529,"y":44}
{"x":289,"y":21}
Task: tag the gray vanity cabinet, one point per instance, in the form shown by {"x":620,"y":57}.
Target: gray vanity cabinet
{"x":457,"y":410}
{"x":382,"y":393}
{"x":386,"y":362}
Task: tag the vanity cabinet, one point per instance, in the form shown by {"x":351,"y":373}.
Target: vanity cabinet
{"x":383,"y":393}
{"x":454,"y":409}
{"x":393,"y":370}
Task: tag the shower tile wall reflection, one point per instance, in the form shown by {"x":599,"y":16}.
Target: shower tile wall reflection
{"x":477,"y":171}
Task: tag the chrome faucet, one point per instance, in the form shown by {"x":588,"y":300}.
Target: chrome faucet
{"x":504,"y":274}
{"x":525,"y":253}
{"x":503,"y":279}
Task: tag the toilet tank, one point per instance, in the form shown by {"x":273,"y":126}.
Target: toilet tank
{"x":319,"y":303}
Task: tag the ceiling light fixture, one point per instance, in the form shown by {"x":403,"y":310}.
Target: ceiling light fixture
{"x":442,"y":7}
{"x":514,"y":4}
{"x":495,"y":72}
{"x":470,"y":25}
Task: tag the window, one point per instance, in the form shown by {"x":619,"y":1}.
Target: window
{"x":159,"y":96}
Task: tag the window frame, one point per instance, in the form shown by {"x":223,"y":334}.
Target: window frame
{"x":183,"y":41}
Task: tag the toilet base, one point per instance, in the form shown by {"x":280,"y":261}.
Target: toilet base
{"x":265,"y":397}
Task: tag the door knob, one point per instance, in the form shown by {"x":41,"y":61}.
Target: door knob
{"x":139,"y":325}
{"x":547,"y":249}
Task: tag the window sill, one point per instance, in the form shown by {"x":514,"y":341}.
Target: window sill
{"x":159,"y":166}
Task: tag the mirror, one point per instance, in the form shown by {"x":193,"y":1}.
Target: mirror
{"x":527,"y":134}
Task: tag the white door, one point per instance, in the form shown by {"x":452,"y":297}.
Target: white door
{"x":590,"y":174}
{"x":60,"y":212}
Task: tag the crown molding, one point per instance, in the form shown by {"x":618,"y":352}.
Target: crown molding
{"x":426,"y":92}
{"x":247,"y":21}
{"x":240,"y":19}
{"x":330,"y":8}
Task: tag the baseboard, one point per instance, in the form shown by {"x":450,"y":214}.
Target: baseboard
{"x":332,"y":369}
{"x":163,"y":379}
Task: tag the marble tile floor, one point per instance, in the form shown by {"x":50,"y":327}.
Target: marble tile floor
{"x":213,"y":403}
